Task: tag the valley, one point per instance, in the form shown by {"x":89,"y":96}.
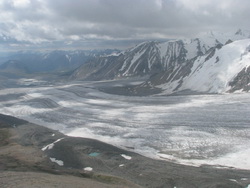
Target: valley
{"x":161,"y":106}
{"x":124,"y":94}
{"x":188,"y":129}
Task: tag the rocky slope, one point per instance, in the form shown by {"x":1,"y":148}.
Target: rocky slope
{"x":145,"y":59}
{"x":24,"y":164}
{"x":35,"y":156}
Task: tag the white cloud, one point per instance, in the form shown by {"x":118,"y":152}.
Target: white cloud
{"x":53,"y":20}
{"x":205,"y":4}
{"x":20,"y":3}
{"x":74,"y":37}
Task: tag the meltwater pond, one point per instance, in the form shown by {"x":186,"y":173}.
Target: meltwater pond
{"x":198,"y":129}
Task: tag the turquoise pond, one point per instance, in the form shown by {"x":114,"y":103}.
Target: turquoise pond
{"x":94,"y":154}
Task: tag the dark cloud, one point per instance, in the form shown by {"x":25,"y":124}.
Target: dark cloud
{"x":71,"y":21}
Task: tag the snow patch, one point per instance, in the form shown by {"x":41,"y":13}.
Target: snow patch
{"x":50,"y":146}
{"x":126,"y":157}
{"x":68,"y":57}
{"x":89,"y":169}
{"x":244,"y":179}
{"x":233,"y":180}
{"x":59,"y":162}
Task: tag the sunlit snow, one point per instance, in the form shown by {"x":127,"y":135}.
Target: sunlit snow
{"x":213,"y":75}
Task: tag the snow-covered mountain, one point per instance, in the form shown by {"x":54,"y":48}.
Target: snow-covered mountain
{"x":146,"y":58}
{"x":215,"y":62}
{"x":225,"y":69}
{"x":153,"y":57}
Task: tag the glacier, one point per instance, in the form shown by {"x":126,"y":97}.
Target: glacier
{"x":194,"y":129}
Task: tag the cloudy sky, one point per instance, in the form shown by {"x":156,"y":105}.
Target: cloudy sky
{"x":113,"y":23}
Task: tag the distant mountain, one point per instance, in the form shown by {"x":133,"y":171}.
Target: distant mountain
{"x":147,"y":58}
{"x":13,"y":69}
{"x":152,"y":57}
{"x":13,"y":66}
{"x":212,"y":63}
{"x":53,"y":60}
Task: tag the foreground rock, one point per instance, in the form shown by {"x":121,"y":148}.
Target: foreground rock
{"x":35,"y":156}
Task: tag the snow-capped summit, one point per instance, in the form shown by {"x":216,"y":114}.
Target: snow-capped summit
{"x":243,"y":33}
{"x":221,"y":70}
{"x":215,"y":62}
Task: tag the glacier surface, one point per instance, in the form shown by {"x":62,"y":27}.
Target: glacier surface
{"x":193,"y":129}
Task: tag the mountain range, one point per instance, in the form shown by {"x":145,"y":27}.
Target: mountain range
{"x":212,"y":63}
{"x":49,"y":61}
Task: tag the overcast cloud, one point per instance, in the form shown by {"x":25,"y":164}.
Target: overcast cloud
{"x":89,"y":23}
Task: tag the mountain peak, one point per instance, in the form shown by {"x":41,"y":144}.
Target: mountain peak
{"x":239,"y":32}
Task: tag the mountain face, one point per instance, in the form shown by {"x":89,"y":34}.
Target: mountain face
{"x":220,"y":70}
{"x":145,"y":59}
{"x":52,"y":61}
{"x":213,"y":63}
{"x":150,"y":58}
